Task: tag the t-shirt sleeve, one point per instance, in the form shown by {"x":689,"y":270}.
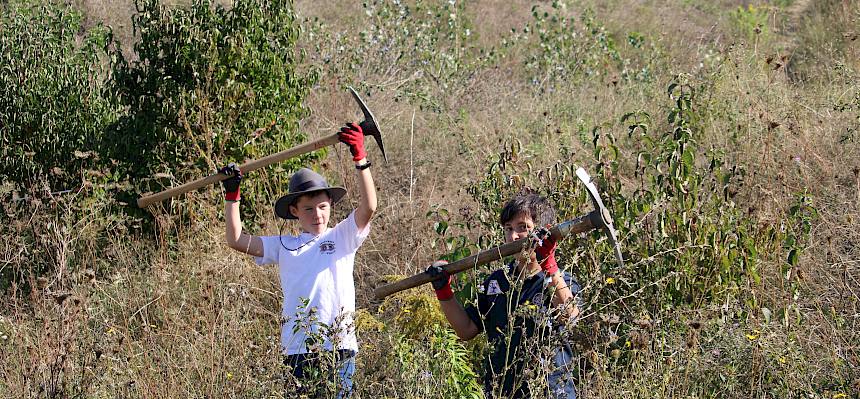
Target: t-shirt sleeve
{"x":271,"y":248}
{"x":348,"y":231}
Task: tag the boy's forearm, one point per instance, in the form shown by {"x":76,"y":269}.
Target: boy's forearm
{"x":563,"y":297}
{"x":459,"y":319}
{"x":251,"y":245}
{"x":234,"y":222}
{"x":367,"y":191}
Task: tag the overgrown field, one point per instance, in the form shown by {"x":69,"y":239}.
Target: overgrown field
{"x":724,"y":136}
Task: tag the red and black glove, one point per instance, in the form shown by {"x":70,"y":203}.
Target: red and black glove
{"x":352,"y":136}
{"x":545,"y":250}
{"x":231,"y":184}
{"x":441,"y":280}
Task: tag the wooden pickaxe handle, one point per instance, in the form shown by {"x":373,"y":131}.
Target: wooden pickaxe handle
{"x":579,"y":225}
{"x":369,"y":127}
{"x":245,"y":168}
{"x":596,"y":219}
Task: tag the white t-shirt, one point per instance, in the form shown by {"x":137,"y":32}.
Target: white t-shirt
{"x":321,"y":273}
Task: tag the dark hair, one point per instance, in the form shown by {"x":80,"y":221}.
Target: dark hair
{"x":309,"y":194}
{"x":537,"y":207}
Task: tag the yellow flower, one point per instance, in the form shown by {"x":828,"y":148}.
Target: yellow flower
{"x":782,"y":359}
{"x":840,"y":395}
{"x":229,"y":375}
{"x":610,"y":280}
{"x":754,"y":335}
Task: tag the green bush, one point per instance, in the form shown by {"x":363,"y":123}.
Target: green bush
{"x":54,"y":103}
{"x":76,"y":114}
{"x":205,"y":78}
{"x":54,"y":109}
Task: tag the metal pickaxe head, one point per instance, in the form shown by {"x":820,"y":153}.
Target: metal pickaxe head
{"x":369,"y":125}
{"x":600,"y":217}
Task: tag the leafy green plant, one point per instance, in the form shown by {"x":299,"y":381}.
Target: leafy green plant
{"x":204,"y":80}
{"x":54,"y":103}
{"x":322,"y":377}
{"x":438,"y":366}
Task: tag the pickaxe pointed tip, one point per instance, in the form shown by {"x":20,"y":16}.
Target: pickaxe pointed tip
{"x":369,"y":125}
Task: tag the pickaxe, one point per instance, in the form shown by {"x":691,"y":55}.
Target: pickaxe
{"x":369,"y":126}
{"x":599,"y":218}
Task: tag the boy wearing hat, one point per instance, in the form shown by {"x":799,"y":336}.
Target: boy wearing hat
{"x":316,"y":266}
{"x":523,"y":308}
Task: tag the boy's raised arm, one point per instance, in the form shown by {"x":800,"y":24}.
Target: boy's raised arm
{"x":236,"y":239}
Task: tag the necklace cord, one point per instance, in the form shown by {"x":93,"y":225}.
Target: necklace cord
{"x":281,"y":239}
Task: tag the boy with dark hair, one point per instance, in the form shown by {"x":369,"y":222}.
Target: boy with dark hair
{"x":315,"y":266}
{"x":518,"y":307}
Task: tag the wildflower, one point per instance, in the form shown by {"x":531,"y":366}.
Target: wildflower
{"x":840,"y":395}
{"x":782,"y":359}
{"x":425,"y":375}
{"x":229,"y":375}
{"x":754,"y":335}
{"x":610,"y":280}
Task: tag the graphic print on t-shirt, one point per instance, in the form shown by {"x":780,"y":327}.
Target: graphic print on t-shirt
{"x":327,"y":247}
{"x":493,"y":288}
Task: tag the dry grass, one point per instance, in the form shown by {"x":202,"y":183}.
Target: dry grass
{"x":187,"y":317}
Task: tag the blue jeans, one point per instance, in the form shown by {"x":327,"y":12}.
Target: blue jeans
{"x":560,"y":381}
{"x":308,"y":368}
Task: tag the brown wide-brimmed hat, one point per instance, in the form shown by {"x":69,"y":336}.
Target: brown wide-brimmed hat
{"x":305,"y":181}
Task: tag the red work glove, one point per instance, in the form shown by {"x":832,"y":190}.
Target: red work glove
{"x":352,"y":136}
{"x":231,"y":184}
{"x":442,"y":280}
{"x":545,"y":250}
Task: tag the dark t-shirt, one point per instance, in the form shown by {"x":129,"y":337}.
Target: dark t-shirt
{"x":517,"y":321}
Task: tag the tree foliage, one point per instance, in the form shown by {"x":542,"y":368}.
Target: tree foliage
{"x":54,"y":103}
{"x":205,"y":79}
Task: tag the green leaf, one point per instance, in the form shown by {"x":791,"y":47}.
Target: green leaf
{"x":793,"y":257}
{"x":688,"y":158}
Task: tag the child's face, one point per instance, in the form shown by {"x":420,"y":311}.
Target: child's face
{"x":313,"y":212}
{"x":518,"y":227}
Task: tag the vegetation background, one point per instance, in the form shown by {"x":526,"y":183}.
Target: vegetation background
{"x":724,"y":135}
